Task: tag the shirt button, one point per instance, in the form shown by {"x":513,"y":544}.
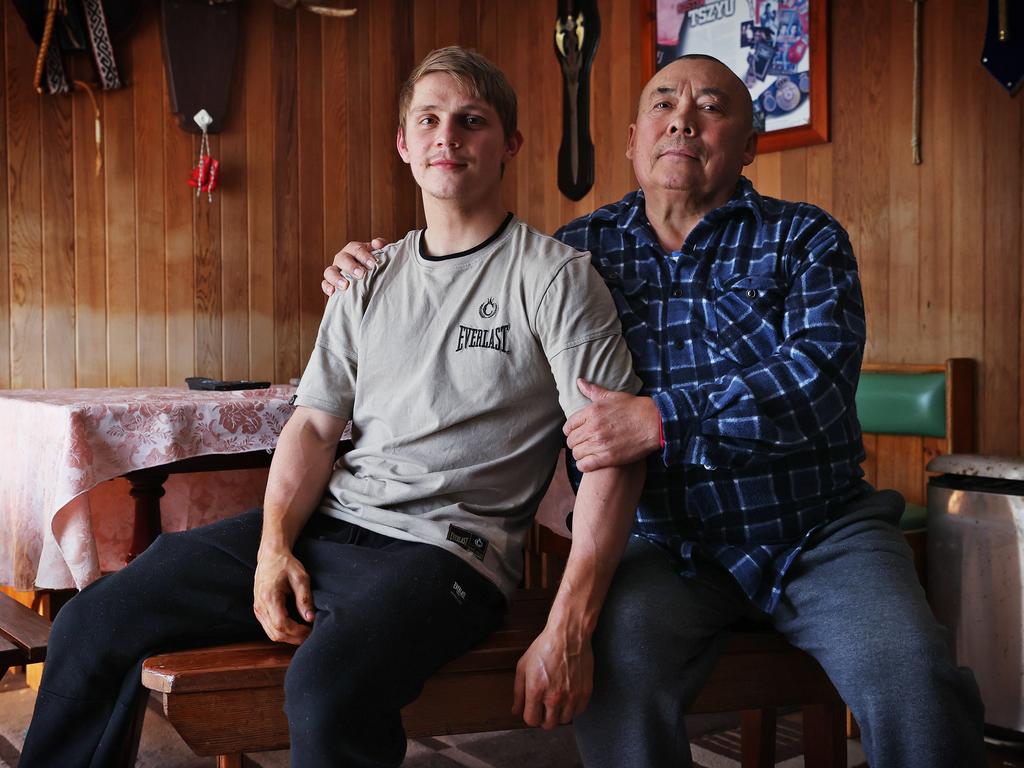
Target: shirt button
{"x":708,"y":466}
{"x":751,"y":294}
{"x":679,"y":344}
{"x":677,"y":293}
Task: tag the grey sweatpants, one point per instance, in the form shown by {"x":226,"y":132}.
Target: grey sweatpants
{"x":852,"y":600}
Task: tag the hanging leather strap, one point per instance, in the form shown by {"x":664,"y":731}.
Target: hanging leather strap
{"x":102,"y":50}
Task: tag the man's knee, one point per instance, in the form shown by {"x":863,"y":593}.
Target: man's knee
{"x":908,"y":664}
{"x":95,"y":615}
{"x":327,"y":681}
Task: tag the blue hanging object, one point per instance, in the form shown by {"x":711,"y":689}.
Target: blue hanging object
{"x":1003,"y":54}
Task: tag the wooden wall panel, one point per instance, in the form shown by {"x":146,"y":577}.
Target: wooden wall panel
{"x":904,"y":193}
{"x":286,"y":195}
{"x":58,"y":244}
{"x":336,"y":115}
{"x":5,"y":284}
{"x":180,"y":154}
{"x":122,"y":279}
{"x":1001,"y":379}
{"x":148,"y":123}
{"x":935,"y":254}
{"x":90,"y":240}
{"x":206,"y":255}
{"x":311,"y":192}
{"x":258,"y":25}
{"x":130,"y":277}
{"x":869,"y":85}
{"x":24,"y":204}
{"x":234,"y":277}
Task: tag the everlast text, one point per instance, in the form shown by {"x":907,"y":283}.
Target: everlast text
{"x":494,"y":338}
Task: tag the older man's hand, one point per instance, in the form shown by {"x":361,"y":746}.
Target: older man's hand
{"x":354,"y":260}
{"x":615,"y":429}
{"x":554,"y":678}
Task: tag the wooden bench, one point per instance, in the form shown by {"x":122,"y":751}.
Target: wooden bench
{"x":228,"y":700}
{"x":23,"y":635}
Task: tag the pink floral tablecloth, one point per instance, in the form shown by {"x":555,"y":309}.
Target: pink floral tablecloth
{"x":59,"y":444}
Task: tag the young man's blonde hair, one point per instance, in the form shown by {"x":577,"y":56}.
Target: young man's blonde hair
{"x":474,"y":73}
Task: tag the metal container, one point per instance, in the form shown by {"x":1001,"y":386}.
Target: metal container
{"x":975,"y":569}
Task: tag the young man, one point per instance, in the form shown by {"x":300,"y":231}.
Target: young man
{"x":457,"y":364}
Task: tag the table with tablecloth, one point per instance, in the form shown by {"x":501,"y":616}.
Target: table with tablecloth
{"x":58,"y":446}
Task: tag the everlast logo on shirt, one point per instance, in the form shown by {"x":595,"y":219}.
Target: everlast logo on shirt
{"x":471,"y":542}
{"x":495,"y":338}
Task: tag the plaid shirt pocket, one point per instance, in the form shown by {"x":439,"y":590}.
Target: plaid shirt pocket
{"x":748,"y":313}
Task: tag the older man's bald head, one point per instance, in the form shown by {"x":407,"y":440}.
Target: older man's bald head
{"x":734,"y":88}
{"x":693,"y":132}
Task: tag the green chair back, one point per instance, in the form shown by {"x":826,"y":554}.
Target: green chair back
{"x":902,"y":403}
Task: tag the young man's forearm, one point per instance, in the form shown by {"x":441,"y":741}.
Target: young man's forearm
{"x":554,"y":677}
{"x":299,"y":474}
{"x":602,"y":519}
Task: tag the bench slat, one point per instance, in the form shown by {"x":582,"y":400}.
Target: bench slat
{"x":24,"y":628}
{"x":260,"y":664}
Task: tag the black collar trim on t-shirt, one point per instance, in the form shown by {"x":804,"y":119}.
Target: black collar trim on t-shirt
{"x":474,"y":249}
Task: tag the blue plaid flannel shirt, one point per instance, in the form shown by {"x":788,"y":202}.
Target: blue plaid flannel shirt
{"x":749,"y":339}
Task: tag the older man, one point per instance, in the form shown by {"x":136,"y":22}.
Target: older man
{"x":745,"y":320}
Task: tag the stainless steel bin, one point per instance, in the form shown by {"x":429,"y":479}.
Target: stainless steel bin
{"x":975,"y":568}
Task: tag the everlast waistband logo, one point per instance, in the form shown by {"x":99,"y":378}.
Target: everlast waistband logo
{"x":495,"y":338}
{"x":471,"y":542}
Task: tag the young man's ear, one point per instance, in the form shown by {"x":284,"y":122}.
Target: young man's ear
{"x":403,"y":149}
{"x":512,"y":145}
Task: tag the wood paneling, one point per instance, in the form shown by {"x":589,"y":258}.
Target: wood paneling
{"x":258,"y":24}
{"x":5,"y":260}
{"x":148,"y":134}
{"x":25,"y":221}
{"x":128,"y":277}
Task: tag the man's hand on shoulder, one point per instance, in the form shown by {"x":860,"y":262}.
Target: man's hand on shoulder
{"x":615,"y":429}
{"x":554,"y":678}
{"x":354,"y":260}
{"x":280,"y":575}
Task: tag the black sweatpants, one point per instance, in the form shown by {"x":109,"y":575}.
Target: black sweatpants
{"x":389,"y":613}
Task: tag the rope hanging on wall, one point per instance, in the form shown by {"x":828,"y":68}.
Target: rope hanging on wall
{"x":915,"y":139}
{"x":82,"y":85}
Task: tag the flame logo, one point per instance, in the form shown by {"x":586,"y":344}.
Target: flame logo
{"x":489,"y":309}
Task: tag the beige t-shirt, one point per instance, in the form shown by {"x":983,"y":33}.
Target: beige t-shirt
{"x":458,"y":375}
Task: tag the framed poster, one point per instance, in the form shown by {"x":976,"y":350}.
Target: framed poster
{"x":779,"y":48}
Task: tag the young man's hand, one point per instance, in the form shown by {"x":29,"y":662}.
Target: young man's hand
{"x":554,"y":678}
{"x":615,"y":429}
{"x":355,"y":259}
{"x":280,"y":575}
